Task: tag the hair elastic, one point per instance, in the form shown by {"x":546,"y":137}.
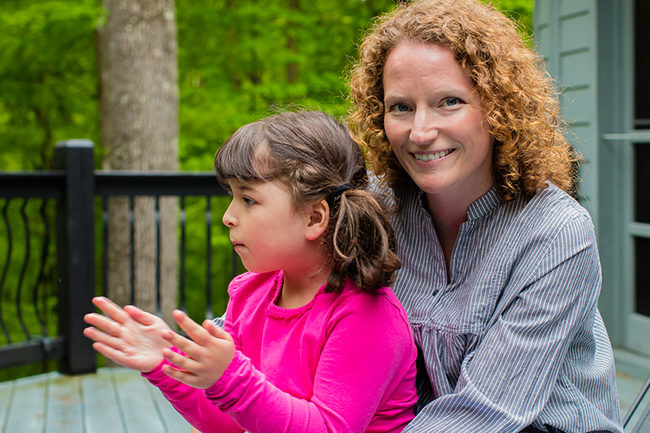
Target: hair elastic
{"x":341,"y":188}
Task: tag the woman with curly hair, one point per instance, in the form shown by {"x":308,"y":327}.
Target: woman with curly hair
{"x":501,"y":274}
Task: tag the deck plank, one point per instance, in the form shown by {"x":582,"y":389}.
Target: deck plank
{"x":64,"y":409}
{"x":173,"y":421}
{"x":6,"y":396}
{"x":102,"y":413}
{"x":27,"y":410}
{"x":138,"y":408}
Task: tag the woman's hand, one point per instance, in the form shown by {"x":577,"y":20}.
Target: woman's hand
{"x":129,"y":336}
{"x":207,"y":354}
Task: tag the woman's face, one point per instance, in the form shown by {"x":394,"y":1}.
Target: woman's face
{"x":435,"y":123}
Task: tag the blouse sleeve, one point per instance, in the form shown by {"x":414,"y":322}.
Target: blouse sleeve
{"x":364,"y":352}
{"x":505,"y":383}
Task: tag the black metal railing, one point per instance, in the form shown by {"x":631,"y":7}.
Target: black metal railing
{"x":28,"y":237}
{"x":48,"y":279}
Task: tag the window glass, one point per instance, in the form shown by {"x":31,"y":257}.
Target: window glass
{"x":642,"y":304}
{"x":642,"y":182}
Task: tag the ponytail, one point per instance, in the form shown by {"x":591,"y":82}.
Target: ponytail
{"x":363,"y":243}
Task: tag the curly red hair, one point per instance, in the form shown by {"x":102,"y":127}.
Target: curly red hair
{"x":517,"y":94}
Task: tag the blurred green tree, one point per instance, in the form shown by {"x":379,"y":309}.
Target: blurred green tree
{"x":48,"y":78}
{"x":234,"y":58}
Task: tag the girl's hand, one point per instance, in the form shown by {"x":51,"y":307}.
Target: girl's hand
{"x":207,"y":354}
{"x":129,"y":336}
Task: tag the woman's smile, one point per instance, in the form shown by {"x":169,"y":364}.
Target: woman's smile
{"x":431,"y":156}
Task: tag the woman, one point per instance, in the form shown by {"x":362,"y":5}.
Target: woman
{"x":501,"y":274}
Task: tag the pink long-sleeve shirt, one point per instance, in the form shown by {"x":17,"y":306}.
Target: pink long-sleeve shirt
{"x":342,"y":363}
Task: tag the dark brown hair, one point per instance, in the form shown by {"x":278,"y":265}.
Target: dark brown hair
{"x":314,"y":156}
{"x":518,"y":96}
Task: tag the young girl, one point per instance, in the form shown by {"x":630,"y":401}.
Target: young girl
{"x":313,"y":341}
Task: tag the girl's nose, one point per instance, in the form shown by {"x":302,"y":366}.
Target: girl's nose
{"x":229,"y":219}
{"x":423,"y":130}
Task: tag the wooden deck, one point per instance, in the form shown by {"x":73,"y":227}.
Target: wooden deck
{"x":114,"y":400}
{"x":118,"y":400}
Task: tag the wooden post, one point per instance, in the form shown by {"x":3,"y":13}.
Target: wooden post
{"x":75,"y":253}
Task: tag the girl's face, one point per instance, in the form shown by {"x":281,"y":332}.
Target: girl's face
{"x":266,"y":230}
{"x":435,"y":123}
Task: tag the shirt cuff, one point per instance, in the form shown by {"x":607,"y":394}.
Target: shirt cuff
{"x":223,"y":392}
{"x":156,"y":375}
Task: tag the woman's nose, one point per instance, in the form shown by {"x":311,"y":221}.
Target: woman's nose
{"x":423,"y":130}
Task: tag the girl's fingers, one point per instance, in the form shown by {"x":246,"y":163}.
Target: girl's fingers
{"x":140,"y":316}
{"x":216,"y":331}
{"x":104,"y":338}
{"x":111,"y":309}
{"x":191,"y":328}
{"x":180,"y":375}
{"x":102,"y":322}
{"x":111,"y":353}
{"x":184,"y":344}
{"x":183,"y":362}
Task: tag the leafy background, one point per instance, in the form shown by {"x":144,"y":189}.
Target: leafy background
{"x":232,"y":68}
{"x":234,"y":58}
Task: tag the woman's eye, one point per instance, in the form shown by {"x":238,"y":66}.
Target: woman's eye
{"x":450,"y":102}
{"x":399,"y":107}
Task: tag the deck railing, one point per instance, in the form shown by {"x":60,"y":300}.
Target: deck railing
{"x":53,"y":239}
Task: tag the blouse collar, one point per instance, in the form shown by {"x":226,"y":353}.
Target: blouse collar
{"x":479,"y":208}
{"x":484,"y":204}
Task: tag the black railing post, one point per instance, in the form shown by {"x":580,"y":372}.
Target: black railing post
{"x":75,"y":253}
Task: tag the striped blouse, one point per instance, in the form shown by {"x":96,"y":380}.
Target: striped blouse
{"x":514,"y":342}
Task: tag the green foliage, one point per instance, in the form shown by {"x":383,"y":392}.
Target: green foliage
{"x":48,"y":80}
{"x":234,"y":60}
{"x":521,"y":12}
{"x":234,"y":63}
{"x":239,"y":60}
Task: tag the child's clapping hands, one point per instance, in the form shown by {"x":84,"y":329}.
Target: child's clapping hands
{"x":139,"y":340}
{"x":206,"y":355}
{"x":129,"y":336}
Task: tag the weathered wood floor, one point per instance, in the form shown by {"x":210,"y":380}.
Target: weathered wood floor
{"x":118,"y":400}
{"x":113,"y":400}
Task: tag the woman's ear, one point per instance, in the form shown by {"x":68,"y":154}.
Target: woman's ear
{"x":319,"y":216}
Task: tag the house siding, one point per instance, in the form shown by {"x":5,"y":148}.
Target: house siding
{"x":565,"y":35}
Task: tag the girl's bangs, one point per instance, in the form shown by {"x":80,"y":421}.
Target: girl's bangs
{"x":244,"y":157}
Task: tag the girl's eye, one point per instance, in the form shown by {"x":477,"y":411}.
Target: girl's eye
{"x":451,"y":101}
{"x":399,"y":107}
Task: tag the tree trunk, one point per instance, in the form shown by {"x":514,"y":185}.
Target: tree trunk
{"x":137,"y":54}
